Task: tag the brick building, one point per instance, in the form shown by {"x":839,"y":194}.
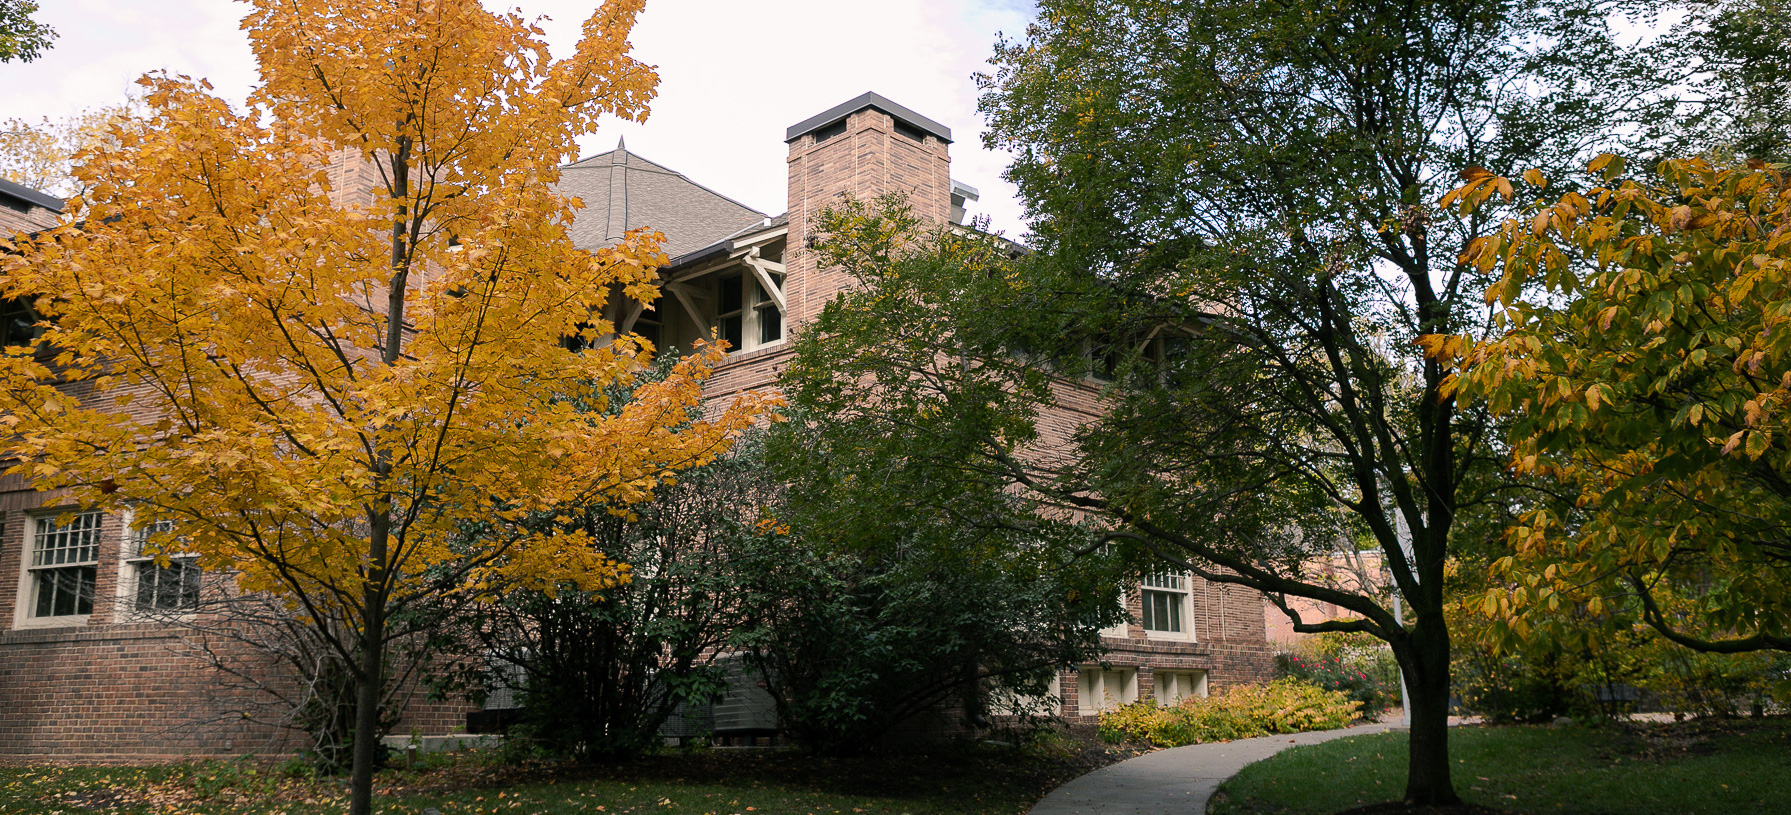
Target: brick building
{"x":749,"y":276}
{"x":82,"y":677}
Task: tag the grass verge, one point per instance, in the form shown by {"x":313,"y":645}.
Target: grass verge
{"x":1688,"y":768}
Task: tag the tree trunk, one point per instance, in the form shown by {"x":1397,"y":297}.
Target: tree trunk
{"x":372,"y":669}
{"x":1425,"y":663}
{"x":379,"y":516}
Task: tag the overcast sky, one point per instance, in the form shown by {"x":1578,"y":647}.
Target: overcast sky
{"x":733,"y":73}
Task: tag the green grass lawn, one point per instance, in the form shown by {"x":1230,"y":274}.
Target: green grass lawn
{"x":958,"y":782}
{"x":1683,"y":769}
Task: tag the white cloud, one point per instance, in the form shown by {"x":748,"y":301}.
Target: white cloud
{"x":733,"y":75}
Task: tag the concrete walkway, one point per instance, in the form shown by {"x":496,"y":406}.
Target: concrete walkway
{"x":1177,"y":781}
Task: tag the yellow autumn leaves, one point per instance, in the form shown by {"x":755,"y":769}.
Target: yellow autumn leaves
{"x":1645,"y":371}
{"x":276,"y":364}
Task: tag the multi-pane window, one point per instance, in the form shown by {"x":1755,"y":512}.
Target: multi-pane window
{"x":64,"y":565}
{"x":746,"y":315}
{"x":1165,"y":602}
{"x":173,"y":587}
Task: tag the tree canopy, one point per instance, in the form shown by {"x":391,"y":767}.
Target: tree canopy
{"x":41,"y":155}
{"x":1209,"y":358}
{"x":1643,"y":357}
{"x":322,"y":390}
{"x":21,"y":37}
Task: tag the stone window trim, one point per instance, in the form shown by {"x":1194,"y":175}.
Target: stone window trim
{"x":60,"y":574}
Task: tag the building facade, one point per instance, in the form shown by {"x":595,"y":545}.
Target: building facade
{"x":752,"y":279}
{"x":86,"y":675}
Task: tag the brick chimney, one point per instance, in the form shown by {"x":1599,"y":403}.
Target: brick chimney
{"x":864,"y":148}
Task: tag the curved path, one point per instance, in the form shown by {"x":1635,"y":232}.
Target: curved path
{"x":1177,"y":781}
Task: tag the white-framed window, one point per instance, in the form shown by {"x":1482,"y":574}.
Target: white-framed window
{"x":746,"y":315}
{"x":63,"y":567}
{"x":1166,"y":611}
{"x":1173,"y":686}
{"x":1099,"y":689}
{"x":156,"y":587}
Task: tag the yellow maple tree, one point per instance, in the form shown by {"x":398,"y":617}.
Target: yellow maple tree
{"x":322,"y":391}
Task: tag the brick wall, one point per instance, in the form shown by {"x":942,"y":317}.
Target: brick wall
{"x":1227,"y":642}
{"x":118,"y":693}
{"x":13,"y":221}
{"x":108,"y":687}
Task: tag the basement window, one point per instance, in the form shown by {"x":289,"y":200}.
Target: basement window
{"x":1174,"y":686}
{"x":1105,"y":689}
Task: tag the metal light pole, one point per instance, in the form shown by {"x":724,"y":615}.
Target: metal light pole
{"x":1405,"y":699}
{"x":1405,"y":546}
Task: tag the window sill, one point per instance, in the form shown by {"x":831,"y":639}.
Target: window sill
{"x":136,"y":617}
{"x":41,"y":623}
{"x":740,"y":357}
{"x":1168,"y":636}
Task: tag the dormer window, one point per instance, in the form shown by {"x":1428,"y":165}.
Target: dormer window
{"x":771,"y":320}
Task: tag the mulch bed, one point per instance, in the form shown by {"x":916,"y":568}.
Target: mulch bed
{"x":884,"y":774}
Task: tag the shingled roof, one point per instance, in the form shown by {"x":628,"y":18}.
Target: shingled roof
{"x":623,"y":191}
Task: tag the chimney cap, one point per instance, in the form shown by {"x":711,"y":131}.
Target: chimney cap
{"x":869,"y":100}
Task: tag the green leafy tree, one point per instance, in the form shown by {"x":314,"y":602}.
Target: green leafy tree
{"x":41,"y":156}
{"x":1233,"y":206}
{"x":1737,"y":94}
{"x":600,"y":672}
{"x":21,"y":37}
{"x":1650,"y":382}
{"x":880,"y":604}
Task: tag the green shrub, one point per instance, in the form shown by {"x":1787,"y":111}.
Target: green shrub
{"x":1356,"y":664}
{"x":1698,"y":684}
{"x":1245,"y":711}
